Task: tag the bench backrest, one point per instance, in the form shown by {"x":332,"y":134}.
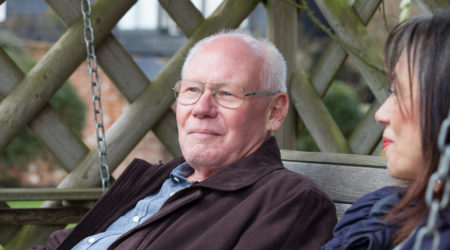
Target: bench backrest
{"x":344,"y":177}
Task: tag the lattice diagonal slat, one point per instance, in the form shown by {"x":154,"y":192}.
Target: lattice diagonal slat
{"x":349,"y":22}
{"x":316,"y":117}
{"x":366,"y":135}
{"x":51,"y":71}
{"x":122,"y":70}
{"x":348,"y":26}
{"x":46,"y":125}
{"x":357,"y":36}
{"x":185,"y":14}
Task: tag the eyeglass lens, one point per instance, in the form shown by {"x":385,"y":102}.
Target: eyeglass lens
{"x":229,"y":95}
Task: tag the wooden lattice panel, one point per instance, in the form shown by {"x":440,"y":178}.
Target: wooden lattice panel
{"x":349,"y":24}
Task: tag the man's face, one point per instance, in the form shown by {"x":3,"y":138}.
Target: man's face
{"x":210,"y":135}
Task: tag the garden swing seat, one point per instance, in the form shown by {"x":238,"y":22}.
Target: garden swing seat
{"x":344,"y":177}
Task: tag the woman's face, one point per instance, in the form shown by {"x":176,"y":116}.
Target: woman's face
{"x":400,"y":115}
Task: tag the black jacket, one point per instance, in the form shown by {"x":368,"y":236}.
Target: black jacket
{"x":254,"y":203}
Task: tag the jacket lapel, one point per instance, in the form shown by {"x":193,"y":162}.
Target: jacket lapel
{"x":141,"y":179}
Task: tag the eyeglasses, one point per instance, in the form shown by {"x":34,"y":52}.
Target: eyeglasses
{"x":227,"y":95}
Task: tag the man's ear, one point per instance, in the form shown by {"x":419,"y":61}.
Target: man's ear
{"x":278,"y":109}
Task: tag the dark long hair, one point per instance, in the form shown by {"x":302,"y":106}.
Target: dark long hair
{"x":426,"y":41}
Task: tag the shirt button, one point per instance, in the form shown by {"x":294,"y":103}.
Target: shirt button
{"x":135,"y":218}
{"x":91,"y":240}
{"x":176,"y":179}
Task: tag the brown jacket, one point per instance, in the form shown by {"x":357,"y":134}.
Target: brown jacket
{"x":254,"y":203}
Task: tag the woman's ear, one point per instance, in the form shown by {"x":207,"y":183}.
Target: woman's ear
{"x":278,"y":109}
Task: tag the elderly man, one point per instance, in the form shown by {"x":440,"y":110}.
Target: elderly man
{"x":230,"y":189}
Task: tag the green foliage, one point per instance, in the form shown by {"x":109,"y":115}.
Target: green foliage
{"x":65,"y":102}
{"x":343,"y":104}
{"x":24,"y":204}
{"x":305,"y":142}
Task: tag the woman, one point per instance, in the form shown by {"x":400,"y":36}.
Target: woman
{"x":417,"y":58}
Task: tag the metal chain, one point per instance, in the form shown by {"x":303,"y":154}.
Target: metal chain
{"x":442,"y":175}
{"x":95,"y":89}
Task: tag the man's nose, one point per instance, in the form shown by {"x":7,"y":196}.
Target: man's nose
{"x":205,"y":106}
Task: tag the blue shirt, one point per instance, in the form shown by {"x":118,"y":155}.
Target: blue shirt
{"x":144,"y":209}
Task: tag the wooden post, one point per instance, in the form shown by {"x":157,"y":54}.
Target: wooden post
{"x":282,"y":31}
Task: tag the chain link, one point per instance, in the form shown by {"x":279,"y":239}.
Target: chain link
{"x":95,"y":89}
{"x":440,"y":176}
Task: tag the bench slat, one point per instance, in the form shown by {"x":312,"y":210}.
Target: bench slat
{"x":42,"y":194}
{"x":42,"y":216}
{"x":340,"y":209}
{"x":334,"y":158}
{"x":344,"y":184}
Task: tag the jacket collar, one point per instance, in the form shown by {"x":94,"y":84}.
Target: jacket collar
{"x":247,"y":170}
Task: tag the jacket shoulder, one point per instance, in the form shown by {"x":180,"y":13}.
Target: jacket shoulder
{"x":294,"y":185}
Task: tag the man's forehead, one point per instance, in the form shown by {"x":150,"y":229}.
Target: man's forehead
{"x":226,"y":56}
{"x":234,"y":45}
{"x":242,"y":74}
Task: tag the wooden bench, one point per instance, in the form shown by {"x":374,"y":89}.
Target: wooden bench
{"x":344,"y":177}
{"x":45,"y":216}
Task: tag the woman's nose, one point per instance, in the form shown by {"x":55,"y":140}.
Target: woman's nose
{"x":383,"y":114}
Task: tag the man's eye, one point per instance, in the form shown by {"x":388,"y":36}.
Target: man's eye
{"x":192,"y":89}
{"x":225,"y":93}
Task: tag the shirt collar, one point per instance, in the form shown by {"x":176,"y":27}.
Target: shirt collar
{"x":181,"y":172}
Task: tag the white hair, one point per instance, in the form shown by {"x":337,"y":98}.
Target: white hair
{"x":273,"y":70}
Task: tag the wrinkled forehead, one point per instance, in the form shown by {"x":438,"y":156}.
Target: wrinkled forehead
{"x":227,"y":59}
